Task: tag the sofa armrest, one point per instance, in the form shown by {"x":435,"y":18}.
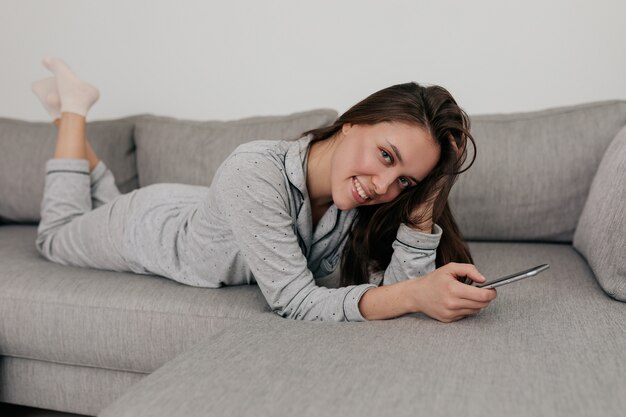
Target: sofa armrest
{"x":601,"y":232}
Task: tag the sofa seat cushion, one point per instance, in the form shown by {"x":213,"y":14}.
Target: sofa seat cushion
{"x":113,"y":320}
{"x":539,"y":349}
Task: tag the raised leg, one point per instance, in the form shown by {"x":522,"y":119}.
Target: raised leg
{"x":71,"y":143}
{"x":70,"y":231}
{"x":103,"y":188}
{"x":76,"y":95}
{"x":90,"y":154}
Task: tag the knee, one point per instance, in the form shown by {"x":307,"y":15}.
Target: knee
{"x":46,"y":231}
{"x":43,"y":241}
{"x":44,"y":244}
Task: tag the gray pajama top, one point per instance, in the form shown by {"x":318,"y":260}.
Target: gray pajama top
{"x":254,"y":225}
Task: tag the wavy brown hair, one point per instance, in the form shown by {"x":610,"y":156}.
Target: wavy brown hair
{"x":368,"y":249}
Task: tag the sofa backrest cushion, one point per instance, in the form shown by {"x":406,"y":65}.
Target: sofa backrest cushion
{"x":26,"y":146}
{"x":601,"y":233}
{"x":189,"y":152}
{"x":533,"y":171}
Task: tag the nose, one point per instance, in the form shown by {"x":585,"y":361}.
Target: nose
{"x":381,"y":183}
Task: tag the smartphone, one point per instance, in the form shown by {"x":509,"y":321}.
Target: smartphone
{"x":512,"y":278}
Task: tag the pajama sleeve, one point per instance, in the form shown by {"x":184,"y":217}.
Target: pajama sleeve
{"x":414,"y":255}
{"x":254,"y":200}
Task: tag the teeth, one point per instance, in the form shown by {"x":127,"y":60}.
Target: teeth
{"x":359,"y":189}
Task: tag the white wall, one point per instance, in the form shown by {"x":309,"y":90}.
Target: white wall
{"x":227,"y":59}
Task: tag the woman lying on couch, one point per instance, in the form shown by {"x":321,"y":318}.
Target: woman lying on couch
{"x":371,"y":190}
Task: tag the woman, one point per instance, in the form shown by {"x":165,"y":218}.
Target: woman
{"x":371,"y":189}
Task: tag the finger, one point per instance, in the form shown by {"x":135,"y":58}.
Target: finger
{"x":464,"y":315}
{"x":454,"y":146}
{"x":467,"y":312}
{"x":482,"y":295}
{"x":458,"y":150}
{"x":465,"y":270}
{"x":466,"y":303}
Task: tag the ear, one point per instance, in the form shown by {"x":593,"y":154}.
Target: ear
{"x":346,"y":127}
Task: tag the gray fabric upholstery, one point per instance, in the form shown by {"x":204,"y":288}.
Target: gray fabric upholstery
{"x":533,"y":171}
{"x":189,"y":152}
{"x":77,"y":339}
{"x":601,"y":232}
{"x":56,"y":386}
{"x":539,"y":349}
{"x":112,"y":320}
{"x":25,"y":147}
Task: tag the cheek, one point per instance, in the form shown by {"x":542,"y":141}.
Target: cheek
{"x":358,"y":159}
{"x":392,"y":194}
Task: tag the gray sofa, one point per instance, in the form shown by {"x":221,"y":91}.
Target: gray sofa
{"x":547,"y":187}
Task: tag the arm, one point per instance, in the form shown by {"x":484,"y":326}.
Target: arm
{"x":412,"y":284}
{"x":254,"y":200}
{"x":414,"y":254}
{"x":387,"y":301}
{"x":438,"y":295}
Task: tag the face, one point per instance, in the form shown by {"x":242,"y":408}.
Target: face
{"x":379,"y":161}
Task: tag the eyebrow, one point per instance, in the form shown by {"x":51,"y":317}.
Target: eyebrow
{"x":397,"y":152}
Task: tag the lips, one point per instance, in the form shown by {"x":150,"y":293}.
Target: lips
{"x":356,"y":185}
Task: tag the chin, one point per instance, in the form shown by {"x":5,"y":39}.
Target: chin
{"x":343,"y":206}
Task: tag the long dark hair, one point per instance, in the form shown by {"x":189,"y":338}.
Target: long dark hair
{"x":368,"y":249}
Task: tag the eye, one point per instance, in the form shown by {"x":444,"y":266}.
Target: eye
{"x":406,"y":182}
{"x":385,"y":154}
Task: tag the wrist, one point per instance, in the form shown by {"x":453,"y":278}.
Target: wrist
{"x":412,"y":291}
{"x":387,"y":301}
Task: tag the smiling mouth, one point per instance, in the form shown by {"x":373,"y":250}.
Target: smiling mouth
{"x":359,"y":190}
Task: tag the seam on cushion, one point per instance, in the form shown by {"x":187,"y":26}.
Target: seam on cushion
{"x":126,"y":310}
{"x":513,"y":117}
{"x":115,"y":369}
{"x":74,"y":364}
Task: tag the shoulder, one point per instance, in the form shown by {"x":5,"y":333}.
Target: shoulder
{"x":265,"y":155}
{"x":257,"y":168}
{"x":254,"y":160}
{"x":259,"y":149}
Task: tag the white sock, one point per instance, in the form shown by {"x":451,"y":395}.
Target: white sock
{"x":76,"y":96}
{"x":46,"y":91}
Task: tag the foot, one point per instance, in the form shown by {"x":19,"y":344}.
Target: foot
{"x":76,"y":96}
{"x":46,"y":91}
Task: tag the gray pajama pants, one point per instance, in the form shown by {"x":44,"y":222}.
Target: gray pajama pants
{"x":86,"y":222}
{"x":77,"y":226}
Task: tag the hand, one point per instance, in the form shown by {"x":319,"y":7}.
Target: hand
{"x":442,"y":296}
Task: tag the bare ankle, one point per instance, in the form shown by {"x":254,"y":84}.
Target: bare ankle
{"x":93,"y":164}
{"x":71,"y":137}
